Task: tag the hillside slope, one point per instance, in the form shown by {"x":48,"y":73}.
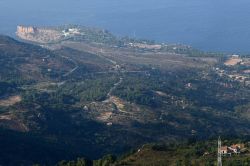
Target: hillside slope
{"x":189,"y":153}
{"x":91,"y":99}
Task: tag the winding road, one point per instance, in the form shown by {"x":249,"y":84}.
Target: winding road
{"x":74,"y":69}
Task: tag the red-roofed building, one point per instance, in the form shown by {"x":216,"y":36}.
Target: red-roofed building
{"x":229,"y":150}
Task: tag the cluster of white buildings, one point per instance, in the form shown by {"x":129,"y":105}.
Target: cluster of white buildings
{"x":71,"y":31}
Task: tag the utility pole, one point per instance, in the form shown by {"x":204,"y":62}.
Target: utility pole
{"x":219,"y":153}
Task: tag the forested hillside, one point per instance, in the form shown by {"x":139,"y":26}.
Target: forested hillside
{"x":80,"y":98}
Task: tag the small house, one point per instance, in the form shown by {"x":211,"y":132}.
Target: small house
{"x":224,"y":150}
{"x":234,"y":149}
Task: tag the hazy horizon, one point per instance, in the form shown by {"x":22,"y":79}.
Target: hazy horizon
{"x":208,"y":25}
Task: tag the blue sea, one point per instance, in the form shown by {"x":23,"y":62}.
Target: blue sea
{"x":210,"y":25}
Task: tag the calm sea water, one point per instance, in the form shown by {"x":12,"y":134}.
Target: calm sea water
{"x":214,"y":25}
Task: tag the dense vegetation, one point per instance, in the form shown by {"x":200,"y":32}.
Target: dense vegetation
{"x":79,"y":104}
{"x":182,"y":154}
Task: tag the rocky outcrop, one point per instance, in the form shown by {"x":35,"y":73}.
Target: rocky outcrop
{"x":39,"y":35}
{"x":24,"y":30}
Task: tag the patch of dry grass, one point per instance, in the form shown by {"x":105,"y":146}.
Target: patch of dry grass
{"x":10,"y":101}
{"x":233,"y":61}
